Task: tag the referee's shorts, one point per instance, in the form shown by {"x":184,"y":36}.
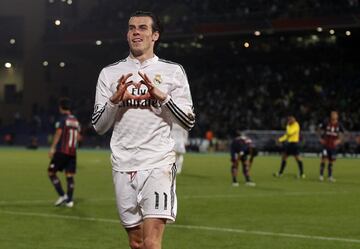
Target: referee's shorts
{"x":292,"y":149}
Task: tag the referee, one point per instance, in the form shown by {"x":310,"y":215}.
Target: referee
{"x":291,"y":146}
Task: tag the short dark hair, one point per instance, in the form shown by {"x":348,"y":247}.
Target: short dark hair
{"x":156,"y":23}
{"x":65,"y":103}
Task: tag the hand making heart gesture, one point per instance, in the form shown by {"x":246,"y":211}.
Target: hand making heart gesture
{"x":123,"y":94}
{"x":153,"y":91}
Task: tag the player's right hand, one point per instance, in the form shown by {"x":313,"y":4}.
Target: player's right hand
{"x":278,"y":143}
{"x":121,"y":93}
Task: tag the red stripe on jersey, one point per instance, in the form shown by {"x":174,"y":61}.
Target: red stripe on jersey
{"x":69,"y":136}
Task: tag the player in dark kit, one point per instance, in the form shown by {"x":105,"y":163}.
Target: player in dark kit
{"x":63,"y":152}
{"x":330,"y":137}
{"x":242,"y":149}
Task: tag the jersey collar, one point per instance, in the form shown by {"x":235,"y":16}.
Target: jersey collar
{"x":145,"y":63}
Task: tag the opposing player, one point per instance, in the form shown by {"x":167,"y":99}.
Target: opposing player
{"x":139,"y":97}
{"x":242,"y":149}
{"x":291,"y":139}
{"x":180,"y":136}
{"x":63,"y":153}
{"x":330,"y":137}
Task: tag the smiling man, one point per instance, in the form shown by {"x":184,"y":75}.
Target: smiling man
{"x":140,"y":97}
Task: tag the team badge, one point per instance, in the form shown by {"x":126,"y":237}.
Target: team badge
{"x":157,"y":79}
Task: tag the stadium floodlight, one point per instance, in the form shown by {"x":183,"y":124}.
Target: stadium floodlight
{"x":319,"y":29}
{"x":257,"y":33}
{"x":45,"y":63}
{"x":164,"y":45}
{"x":331,"y":31}
{"x":98,"y":42}
{"x":314,"y":38}
{"x":12,"y":41}
{"x":347,"y":33}
{"x":62,"y":64}
{"x":57,"y":22}
{"x":332,"y":39}
{"x":8,"y":65}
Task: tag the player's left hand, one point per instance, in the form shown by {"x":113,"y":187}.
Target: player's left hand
{"x":51,"y":153}
{"x":153,"y":91}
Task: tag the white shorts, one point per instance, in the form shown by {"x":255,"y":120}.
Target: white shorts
{"x":146,"y":194}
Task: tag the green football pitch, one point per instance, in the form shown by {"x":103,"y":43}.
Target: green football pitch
{"x":277,"y":213}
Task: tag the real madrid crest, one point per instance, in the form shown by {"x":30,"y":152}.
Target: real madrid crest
{"x":157,"y":79}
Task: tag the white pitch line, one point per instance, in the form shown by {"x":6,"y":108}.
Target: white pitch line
{"x":48,"y":201}
{"x":260,"y":195}
{"x":67,"y":217}
{"x":3,"y":203}
{"x":190,"y":227}
{"x":288,"y":235}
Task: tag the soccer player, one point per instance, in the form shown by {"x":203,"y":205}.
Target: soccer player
{"x":140,"y":97}
{"x":291,"y":146}
{"x":242,"y":149}
{"x":180,"y":136}
{"x":330,"y":137}
{"x":63,"y":153}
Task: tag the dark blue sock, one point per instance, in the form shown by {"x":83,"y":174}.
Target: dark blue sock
{"x":322,"y":168}
{"x":57,"y":184}
{"x":282,"y":168}
{"x":246,"y":172}
{"x":233,"y":173}
{"x":330,"y":170}
{"x":301,"y":167}
{"x":70,"y":187}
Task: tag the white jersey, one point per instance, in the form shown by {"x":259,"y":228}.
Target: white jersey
{"x":180,"y":135}
{"x":141,"y":128}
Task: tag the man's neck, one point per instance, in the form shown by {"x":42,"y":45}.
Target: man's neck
{"x":142,"y":57}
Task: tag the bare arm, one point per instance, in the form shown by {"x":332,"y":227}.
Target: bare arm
{"x":55,"y":141}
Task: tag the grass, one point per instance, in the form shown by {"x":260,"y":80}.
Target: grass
{"x":277,"y":213}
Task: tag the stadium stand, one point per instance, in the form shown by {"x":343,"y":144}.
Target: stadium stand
{"x":293,"y":69}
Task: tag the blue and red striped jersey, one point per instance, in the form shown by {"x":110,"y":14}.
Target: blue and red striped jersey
{"x":331,"y":132}
{"x":70,"y":133}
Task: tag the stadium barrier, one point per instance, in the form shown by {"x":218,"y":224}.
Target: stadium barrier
{"x":266,"y":142}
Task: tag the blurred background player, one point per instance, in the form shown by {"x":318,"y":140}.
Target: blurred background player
{"x":242,"y":149}
{"x":180,"y":136}
{"x":291,"y":140}
{"x":330,"y":137}
{"x":63,"y":152}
